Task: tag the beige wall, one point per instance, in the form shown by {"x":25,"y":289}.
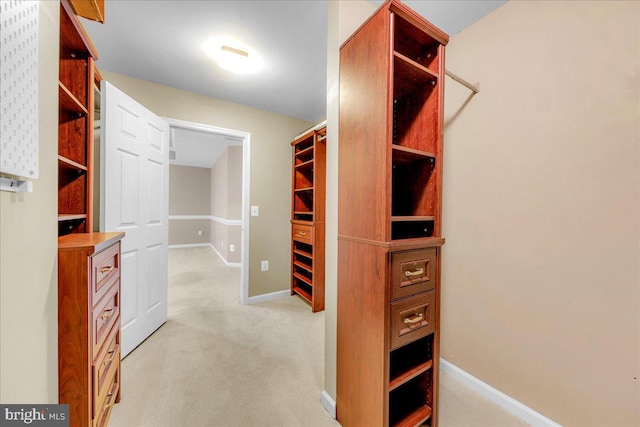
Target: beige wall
{"x":189,"y":190}
{"x":28,"y":249}
{"x":189,"y":194}
{"x":234,"y":202}
{"x":185,"y":231}
{"x":541,"y":208}
{"x":270,"y":179}
{"x":344,"y":18}
{"x":226,"y":204}
{"x":220,"y":186}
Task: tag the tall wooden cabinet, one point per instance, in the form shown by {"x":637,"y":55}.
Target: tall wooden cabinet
{"x":389,"y":220}
{"x":88,"y":263}
{"x":308,"y":216}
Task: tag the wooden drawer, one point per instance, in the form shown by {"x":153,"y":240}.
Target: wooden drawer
{"x":412,"y":272}
{"x":412,"y":318}
{"x":104,"y":316}
{"x":106,"y":362}
{"x":302,"y":233}
{"x":104,"y":403}
{"x":105,"y":269}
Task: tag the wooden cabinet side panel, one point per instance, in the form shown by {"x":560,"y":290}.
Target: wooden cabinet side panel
{"x":74,"y":366}
{"x":364,"y":204}
{"x":319,"y":184}
{"x":90,"y":142}
{"x":318,"y":267}
{"x":362,"y":373}
{"x":439,"y":151}
{"x":436,"y":344}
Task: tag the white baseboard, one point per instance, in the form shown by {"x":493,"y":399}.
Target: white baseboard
{"x":227,"y":263}
{"x":328,"y":403}
{"x":508,"y":403}
{"x":189,"y":245}
{"x":269,"y":296}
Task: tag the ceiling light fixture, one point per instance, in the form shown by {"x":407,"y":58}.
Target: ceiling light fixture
{"x":233,"y":55}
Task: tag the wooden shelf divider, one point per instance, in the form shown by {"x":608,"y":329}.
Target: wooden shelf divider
{"x":303,"y":253}
{"x":68,"y":102}
{"x":305,"y":165}
{"x":412,"y":218}
{"x":71,"y":217}
{"x":415,"y":418}
{"x":63,"y":162}
{"x":410,"y":374}
{"x":304,"y":294}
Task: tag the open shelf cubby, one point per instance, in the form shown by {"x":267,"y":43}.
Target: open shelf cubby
{"x":303,"y":202}
{"x":415,"y":44}
{"x":303,"y":178}
{"x":409,"y":361}
{"x":304,"y":154}
{"x":413,"y":189}
{"x":303,"y":289}
{"x":410,"y":404}
{"x":303,"y":250}
{"x":415,"y":116}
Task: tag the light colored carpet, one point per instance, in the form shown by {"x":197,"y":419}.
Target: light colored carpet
{"x":218,"y":363}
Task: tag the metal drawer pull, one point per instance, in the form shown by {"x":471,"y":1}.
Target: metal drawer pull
{"x":109,"y":401}
{"x":107,"y":361}
{"x":416,"y":272}
{"x":414,"y":319}
{"x":106,"y":269}
{"x":302,"y":233}
{"x":107,"y":313}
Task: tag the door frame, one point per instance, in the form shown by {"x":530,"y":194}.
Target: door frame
{"x":246,"y":164}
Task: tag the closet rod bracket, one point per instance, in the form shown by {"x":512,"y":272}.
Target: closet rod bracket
{"x":475,"y":88}
{"x":15,"y":186}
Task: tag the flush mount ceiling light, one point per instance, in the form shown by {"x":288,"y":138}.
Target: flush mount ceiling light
{"x":233,"y":55}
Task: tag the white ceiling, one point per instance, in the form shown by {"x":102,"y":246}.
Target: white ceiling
{"x":161,"y":41}
{"x":199,"y":148}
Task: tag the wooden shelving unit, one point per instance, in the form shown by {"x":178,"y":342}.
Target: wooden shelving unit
{"x":75,"y":125}
{"x":307,"y":216}
{"x":88,"y":262}
{"x":389,"y":220}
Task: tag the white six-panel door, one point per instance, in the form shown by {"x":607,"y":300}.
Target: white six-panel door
{"x":134,"y":199}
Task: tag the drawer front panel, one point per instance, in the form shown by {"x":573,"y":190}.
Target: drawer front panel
{"x":105,"y":269}
{"x":302,"y":233}
{"x":412,"y":272}
{"x":106,"y":362}
{"x":104,"y":403}
{"x":412,"y":318}
{"x":104,"y":316}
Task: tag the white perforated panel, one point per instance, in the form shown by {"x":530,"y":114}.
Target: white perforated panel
{"x":19,"y":87}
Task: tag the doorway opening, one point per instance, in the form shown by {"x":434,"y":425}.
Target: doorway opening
{"x":200,"y":145}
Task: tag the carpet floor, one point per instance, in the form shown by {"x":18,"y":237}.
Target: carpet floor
{"x":216,"y":362}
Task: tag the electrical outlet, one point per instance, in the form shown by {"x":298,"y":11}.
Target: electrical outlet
{"x":264,"y":265}
{"x":199,"y":232}
{"x":232,"y":248}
